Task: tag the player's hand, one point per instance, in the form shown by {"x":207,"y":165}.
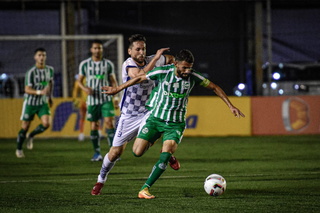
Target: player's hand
{"x":237,"y":113}
{"x":88,"y":91}
{"x":160,"y":52}
{"x":109,"y":90}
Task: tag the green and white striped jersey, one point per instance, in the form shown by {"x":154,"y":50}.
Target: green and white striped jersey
{"x":168,"y":101}
{"x":97,"y":75}
{"x":38,"y":79}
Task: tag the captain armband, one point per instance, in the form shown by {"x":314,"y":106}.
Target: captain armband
{"x":205,"y":82}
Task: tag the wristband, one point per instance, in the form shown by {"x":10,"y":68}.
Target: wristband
{"x":116,"y":98}
{"x":38,"y":92}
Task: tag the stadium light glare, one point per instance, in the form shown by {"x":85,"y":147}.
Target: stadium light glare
{"x":264,"y":85}
{"x":3,"y":76}
{"x":276,"y":76}
{"x":280,"y":91}
{"x":280,"y":65}
{"x":274,"y":85}
{"x":238,"y":93}
{"x":241,"y":86}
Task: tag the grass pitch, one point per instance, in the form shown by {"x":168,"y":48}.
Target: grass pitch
{"x":264,"y":174}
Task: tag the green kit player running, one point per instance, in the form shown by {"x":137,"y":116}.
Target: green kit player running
{"x":167,"y":116}
{"x":98,"y":72}
{"x":37,"y":99}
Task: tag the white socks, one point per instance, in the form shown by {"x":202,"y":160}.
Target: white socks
{"x":107,"y":165}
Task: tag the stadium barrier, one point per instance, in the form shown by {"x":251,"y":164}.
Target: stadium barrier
{"x":206,"y":116}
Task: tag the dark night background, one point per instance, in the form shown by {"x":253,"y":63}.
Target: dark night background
{"x":220,"y":34}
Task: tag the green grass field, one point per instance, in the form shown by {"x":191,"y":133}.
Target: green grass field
{"x":264,"y":174}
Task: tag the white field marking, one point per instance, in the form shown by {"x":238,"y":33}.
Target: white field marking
{"x":144,"y":178}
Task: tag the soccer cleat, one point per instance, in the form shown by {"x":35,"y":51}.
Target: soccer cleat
{"x":145,"y":194}
{"x":81,"y":137}
{"x":30,"y":143}
{"x":96,"y":157}
{"x":174,"y":163}
{"x":97,"y":189}
{"x":19,"y":153}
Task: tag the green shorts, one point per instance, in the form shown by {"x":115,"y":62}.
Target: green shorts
{"x":95,"y":112}
{"x":154,"y":128}
{"x":28,"y":111}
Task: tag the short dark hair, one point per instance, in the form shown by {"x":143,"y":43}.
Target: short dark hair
{"x":39,"y":49}
{"x":136,"y":37}
{"x":96,"y":41}
{"x":185,"y":55}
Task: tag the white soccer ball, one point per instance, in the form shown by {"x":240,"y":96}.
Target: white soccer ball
{"x":215,"y":185}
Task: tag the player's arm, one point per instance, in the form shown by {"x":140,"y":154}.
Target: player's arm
{"x":82,"y":86}
{"x":133,"y":72}
{"x":215,"y":88}
{"x":50,"y":93}
{"x":169,"y":59}
{"x":114,"y":83}
{"x":29,"y":90}
{"x":133,"y":81}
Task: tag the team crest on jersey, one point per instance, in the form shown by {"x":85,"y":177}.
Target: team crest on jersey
{"x":166,"y":83}
{"x":185,"y":85}
{"x":145,"y":130}
{"x":176,"y":85}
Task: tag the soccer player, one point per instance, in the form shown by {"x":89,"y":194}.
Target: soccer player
{"x":37,"y":99}
{"x":168,"y":110}
{"x":133,"y":103}
{"x":79,"y":102}
{"x":98,"y":72}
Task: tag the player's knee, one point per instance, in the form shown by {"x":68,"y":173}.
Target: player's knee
{"x":136,"y":154}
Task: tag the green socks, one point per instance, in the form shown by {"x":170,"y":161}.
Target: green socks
{"x":158,"y":169}
{"x":38,"y":130}
{"x":95,"y":140}
{"x":110,"y":133}
{"x":20,"y":139}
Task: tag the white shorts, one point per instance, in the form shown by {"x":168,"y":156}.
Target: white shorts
{"x":128,"y":128}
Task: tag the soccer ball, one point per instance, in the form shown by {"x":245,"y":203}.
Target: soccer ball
{"x":215,"y":185}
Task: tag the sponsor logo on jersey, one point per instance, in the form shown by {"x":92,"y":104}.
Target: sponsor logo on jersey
{"x":174,"y":95}
{"x":176,"y":85}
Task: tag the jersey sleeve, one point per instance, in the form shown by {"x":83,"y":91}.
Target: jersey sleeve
{"x":82,"y":68}
{"x":199,"y":79}
{"x":159,"y":72}
{"x":110,"y":68}
{"x":29,"y":78}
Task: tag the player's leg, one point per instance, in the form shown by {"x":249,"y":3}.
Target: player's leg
{"x":173,"y":162}
{"x":172,"y":135}
{"x":126,"y":131}
{"x":21,"y":138}
{"x":82,"y":112}
{"x":94,"y":115}
{"x":108,"y":114}
{"x":110,"y":129}
{"x":44,"y":115}
{"x":95,"y":140}
{"x":108,"y":163}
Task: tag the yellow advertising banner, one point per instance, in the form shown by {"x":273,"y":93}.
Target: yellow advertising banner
{"x":210,"y":116}
{"x":207,"y":116}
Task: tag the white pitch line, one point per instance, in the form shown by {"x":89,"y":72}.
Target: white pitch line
{"x":144,"y":178}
